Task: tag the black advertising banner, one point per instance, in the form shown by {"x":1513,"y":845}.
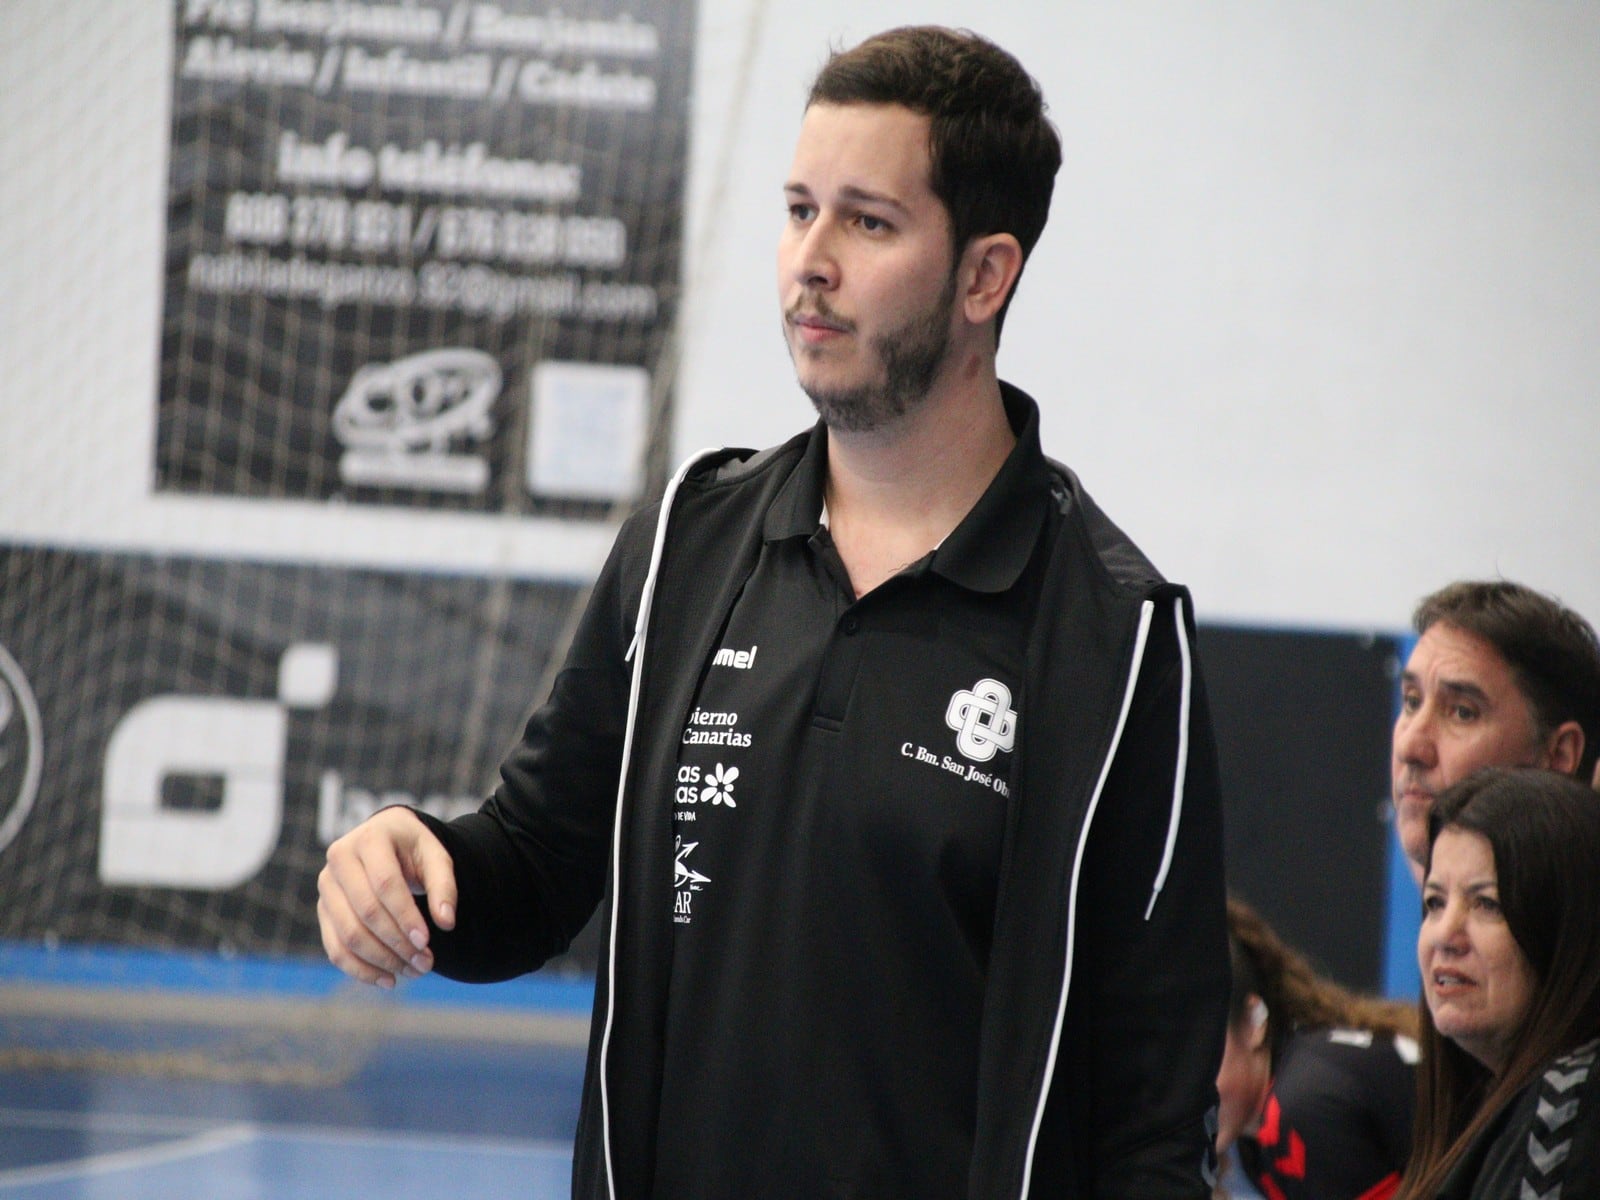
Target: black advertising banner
{"x":423,"y":252}
{"x":180,"y":739}
{"x":1304,"y":784}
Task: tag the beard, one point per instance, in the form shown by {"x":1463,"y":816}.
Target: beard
{"x":911,"y":356}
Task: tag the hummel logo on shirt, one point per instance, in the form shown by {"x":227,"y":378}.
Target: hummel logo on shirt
{"x":739,"y":660}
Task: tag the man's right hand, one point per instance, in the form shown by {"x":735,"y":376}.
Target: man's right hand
{"x":372,"y":928}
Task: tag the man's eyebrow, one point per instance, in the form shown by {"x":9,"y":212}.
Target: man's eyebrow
{"x":1464,"y":688}
{"x":852,"y":193}
{"x":864,"y":196}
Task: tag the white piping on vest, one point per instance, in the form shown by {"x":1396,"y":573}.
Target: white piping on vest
{"x":635,"y":654}
{"x":1182,"y":768}
{"x":1146,"y":610}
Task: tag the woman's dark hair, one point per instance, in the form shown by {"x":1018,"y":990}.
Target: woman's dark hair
{"x":1295,"y":995}
{"x":1544,"y":831}
{"x":993,"y":152}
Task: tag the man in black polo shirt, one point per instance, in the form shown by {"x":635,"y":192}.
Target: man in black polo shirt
{"x":885,"y":749}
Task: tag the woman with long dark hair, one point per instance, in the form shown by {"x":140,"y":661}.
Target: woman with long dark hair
{"x":1509,"y":1103}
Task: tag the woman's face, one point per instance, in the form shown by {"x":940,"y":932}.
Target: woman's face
{"x":1475,"y":978}
{"x":1244,"y":1078}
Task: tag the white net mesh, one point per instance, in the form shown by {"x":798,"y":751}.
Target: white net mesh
{"x":341,"y":335}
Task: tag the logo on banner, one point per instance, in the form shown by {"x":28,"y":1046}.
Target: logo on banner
{"x":983,"y":719}
{"x":21,"y":748}
{"x":411,"y":423}
{"x":226,"y":750}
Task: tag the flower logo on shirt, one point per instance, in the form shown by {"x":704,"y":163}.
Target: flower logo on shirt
{"x":719,"y":786}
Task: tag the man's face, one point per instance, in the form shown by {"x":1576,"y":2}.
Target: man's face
{"x":866,"y":280}
{"x":1460,"y":709}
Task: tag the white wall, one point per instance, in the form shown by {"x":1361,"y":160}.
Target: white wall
{"x":1317,"y":317}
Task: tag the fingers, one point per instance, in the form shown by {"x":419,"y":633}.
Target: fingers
{"x":371,"y":927}
{"x":346,"y":945}
{"x":433,"y":870}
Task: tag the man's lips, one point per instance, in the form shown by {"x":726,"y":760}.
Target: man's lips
{"x":1412,"y":793}
{"x":814,"y":325}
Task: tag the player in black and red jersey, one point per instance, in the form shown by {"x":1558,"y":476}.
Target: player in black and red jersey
{"x":1318,"y":1084}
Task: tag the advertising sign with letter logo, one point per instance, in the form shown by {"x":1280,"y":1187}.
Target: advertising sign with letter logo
{"x":180,"y":739}
{"x":21,"y":748}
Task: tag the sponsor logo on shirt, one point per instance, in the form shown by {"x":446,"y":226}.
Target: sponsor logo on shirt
{"x":687,"y":881}
{"x":718,"y":788}
{"x":962,"y":770}
{"x":739,"y":660}
{"x":714,"y":787}
{"x":984,"y":724}
{"x":983,"y":719}
{"x":708,"y":728}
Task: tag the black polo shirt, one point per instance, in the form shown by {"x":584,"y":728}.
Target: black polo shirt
{"x":840,"y":810}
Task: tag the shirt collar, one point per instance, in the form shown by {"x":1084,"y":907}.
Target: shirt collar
{"x":988,"y":550}
{"x":798,"y":504}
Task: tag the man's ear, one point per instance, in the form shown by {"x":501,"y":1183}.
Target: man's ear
{"x":1563,"y":749}
{"x":990,"y":267}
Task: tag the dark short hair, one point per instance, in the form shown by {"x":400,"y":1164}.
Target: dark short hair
{"x":1552,"y":651}
{"x":994,"y":153}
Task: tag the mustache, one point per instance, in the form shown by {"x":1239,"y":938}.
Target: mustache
{"x":1408,"y":778}
{"x":816,"y":308}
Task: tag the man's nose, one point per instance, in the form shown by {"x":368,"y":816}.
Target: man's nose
{"x":1413,"y":738}
{"x":816,"y":262}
